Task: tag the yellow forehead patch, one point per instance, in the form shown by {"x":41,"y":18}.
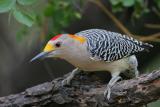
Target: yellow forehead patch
{"x":48,"y":48}
{"x":78,"y":38}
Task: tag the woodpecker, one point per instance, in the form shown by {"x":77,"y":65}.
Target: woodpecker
{"x":96,"y":50}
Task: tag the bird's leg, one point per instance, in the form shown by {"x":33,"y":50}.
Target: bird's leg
{"x":114,"y":79}
{"x":133,"y":64}
{"x":136,"y":72}
{"x":67,"y":80}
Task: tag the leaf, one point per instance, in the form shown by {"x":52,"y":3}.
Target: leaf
{"x":48,"y":11}
{"x":158,"y":3}
{"x":78,"y":15}
{"x":24,"y":17}
{"x":128,"y":3}
{"x":26,"y":2}
{"x":6,"y":5}
{"x":117,"y":8}
{"x":115,"y":2}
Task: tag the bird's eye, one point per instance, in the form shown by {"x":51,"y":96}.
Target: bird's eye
{"x":58,"y":44}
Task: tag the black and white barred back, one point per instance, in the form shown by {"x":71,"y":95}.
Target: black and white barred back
{"x":111,"y":46}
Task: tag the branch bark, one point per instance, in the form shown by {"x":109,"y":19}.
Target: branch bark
{"x":89,"y":93}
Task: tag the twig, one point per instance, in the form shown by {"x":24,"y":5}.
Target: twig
{"x":134,"y":92}
{"x":152,"y":26}
{"x":152,"y":37}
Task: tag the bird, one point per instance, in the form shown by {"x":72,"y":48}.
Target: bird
{"x":96,"y":50}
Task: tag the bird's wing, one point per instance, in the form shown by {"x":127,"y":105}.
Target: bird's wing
{"x":111,"y":46}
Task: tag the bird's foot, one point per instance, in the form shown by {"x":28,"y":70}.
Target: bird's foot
{"x":67,"y":81}
{"x":107,"y":92}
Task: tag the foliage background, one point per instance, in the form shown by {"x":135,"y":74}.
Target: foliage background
{"x":26,"y":25}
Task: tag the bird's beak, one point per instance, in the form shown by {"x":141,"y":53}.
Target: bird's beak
{"x":39,"y":56}
{"x":48,"y":49}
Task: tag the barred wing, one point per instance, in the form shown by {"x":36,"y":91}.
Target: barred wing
{"x":111,"y":46}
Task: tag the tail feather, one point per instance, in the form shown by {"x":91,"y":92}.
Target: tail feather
{"x":147,"y":46}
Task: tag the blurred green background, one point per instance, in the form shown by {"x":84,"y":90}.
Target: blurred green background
{"x":26,"y":26}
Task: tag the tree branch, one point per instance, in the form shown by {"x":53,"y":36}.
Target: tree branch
{"x":89,"y":93}
{"x":152,"y":26}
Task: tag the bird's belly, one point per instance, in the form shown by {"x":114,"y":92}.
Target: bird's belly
{"x":90,"y":66}
{"x":87,"y":64}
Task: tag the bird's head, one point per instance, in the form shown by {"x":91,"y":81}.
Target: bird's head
{"x":58,"y":45}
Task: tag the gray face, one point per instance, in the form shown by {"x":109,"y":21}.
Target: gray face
{"x":61,"y":46}
{"x":56,"y":48}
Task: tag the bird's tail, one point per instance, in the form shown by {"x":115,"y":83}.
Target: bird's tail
{"x":147,"y":46}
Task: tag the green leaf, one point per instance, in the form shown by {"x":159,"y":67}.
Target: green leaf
{"x":115,"y":2}
{"x":6,"y":5}
{"x":24,"y":17}
{"x":158,"y":3}
{"x":128,"y":3}
{"x":78,"y":15}
{"x":117,"y":8}
{"x":48,"y":11}
{"x":140,"y":2}
{"x":26,"y":2}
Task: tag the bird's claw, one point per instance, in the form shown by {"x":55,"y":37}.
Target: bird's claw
{"x":107,"y":93}
{"x":66,"y":81}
